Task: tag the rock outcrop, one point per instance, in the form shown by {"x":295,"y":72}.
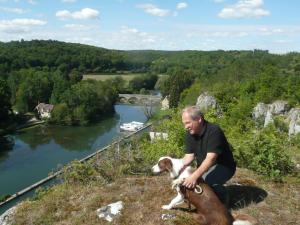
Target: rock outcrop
{"x":110,"y":211}
{"x":265,"y":113}
{"x":279,"y":107}
{"x":7,"y":217}
{"x":206,"y":102}
{"x":260,"y":111}
{"x":293,"y":119}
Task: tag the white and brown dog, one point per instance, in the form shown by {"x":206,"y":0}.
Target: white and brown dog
{"x":174,"y":167}
{"x":210,"y":210}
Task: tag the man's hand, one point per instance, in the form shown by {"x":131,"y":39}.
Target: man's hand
{"x":191,"y":181}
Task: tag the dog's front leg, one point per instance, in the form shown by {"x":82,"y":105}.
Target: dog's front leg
{"x":177,"y":182}
{"x":175,"y":201}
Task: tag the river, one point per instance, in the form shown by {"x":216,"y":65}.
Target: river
{"x":31,"y":154}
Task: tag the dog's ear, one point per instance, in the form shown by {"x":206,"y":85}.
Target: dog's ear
{"x":165,"y":164}
{"x":169,"y":165}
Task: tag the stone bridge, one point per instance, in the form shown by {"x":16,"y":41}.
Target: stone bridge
{"x":139,"y":99}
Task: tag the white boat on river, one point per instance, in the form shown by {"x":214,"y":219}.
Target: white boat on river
{"x":132,"y":126}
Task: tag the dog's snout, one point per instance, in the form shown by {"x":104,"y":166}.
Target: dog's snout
{"x":155,"y":169}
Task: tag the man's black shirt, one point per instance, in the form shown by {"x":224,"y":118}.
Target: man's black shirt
{"x":210,"y":139}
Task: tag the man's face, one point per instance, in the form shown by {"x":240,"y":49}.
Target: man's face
{"x":192,"y":126}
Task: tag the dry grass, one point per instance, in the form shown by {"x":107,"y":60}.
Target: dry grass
{"x":269,"y":202}
{"x":143,"y":196}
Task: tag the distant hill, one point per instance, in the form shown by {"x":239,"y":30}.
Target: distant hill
{"x":16,"y":55}
{"x":51,"y":54}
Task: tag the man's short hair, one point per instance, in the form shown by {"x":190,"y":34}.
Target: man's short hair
{"x":194,"y":112}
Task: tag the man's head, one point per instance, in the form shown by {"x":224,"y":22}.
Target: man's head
{"x":192,"y":119}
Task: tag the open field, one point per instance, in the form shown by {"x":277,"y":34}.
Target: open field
{"x":103,"y":77}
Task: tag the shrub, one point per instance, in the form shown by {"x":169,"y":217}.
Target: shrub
{"x":77,"y":172}
{"x":264,"y":152}
{"x":173,"y":146}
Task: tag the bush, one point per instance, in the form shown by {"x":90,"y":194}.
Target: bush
{"x":77,"y":172}
{"x":264,"y":152}
{"x":172,"y":147}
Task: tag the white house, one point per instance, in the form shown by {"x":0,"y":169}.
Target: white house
{"x":44,"y":110}
{"x":158,"y":135}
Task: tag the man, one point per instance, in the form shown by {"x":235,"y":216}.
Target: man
{"x":207,"y":143}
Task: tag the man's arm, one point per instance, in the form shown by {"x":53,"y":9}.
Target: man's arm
{"x":209,"y":161}
{"x":187,"y":160}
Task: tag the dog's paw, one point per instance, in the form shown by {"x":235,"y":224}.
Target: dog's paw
{"x":166,"y":207}
{"x":176,"y":183}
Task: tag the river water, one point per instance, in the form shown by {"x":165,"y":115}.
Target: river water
{"x":33,"y":153}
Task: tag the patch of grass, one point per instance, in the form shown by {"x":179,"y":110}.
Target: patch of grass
{"x":143,"y":197}
{"x":103,"y":77}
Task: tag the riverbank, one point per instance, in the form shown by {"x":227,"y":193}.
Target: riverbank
{"x":29,"y":155}
{"x":4,"y":200}
{"x":16,"y":123}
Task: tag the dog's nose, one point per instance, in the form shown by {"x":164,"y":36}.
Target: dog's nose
{"x":155,"y":169}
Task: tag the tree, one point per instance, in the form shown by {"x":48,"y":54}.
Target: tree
{"x":179,"y":81}
{"x":61,"y":114}
{"x":75,"y":77}
{"x":22,"y":99}
{"x":5,"y":96}
{"x":60,"y":85}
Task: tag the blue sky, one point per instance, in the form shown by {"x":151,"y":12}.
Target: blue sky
{"x":272,"y":25}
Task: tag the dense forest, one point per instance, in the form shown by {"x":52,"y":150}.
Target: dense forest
{"x":51,"y":72}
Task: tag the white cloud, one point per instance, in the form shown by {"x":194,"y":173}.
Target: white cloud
{"x":136,"y":38}
{"x":32,"y":2}
{"x":181,"y":5}
{"x":154,"y":10}
{"x":277,"y":30}
{"x":180,"y":37}
{"x":78,"y":27}
{"x":282,"y":41}
{"x":12,"y":10}
{"x":20,"y":25}
{"x":241,"y":34}
{"x":127,"y":30}
{"x":244,"y":9}
{"x":218,"y":1}
{"x":86,"y":13}
{"x":68,"y":1}
{"x":269,"y":31}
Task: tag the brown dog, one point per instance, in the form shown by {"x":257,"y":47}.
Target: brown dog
{"x":209,"y":209}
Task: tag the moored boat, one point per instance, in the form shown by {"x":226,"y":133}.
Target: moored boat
{"x":132,"y":126}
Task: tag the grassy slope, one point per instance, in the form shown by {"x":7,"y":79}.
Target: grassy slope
{"x":143,"y":195}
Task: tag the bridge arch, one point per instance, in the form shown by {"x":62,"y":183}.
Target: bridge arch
{"x":122,"y":100}
{"x":133,"y":100}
